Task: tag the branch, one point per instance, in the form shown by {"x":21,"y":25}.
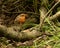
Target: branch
{"x":20,"y":12}
{"x":41,"y":24}
{"x":12,"y":33}
{"x":57,"y":15}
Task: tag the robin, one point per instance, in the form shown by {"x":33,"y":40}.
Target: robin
{"x":21,"y":19}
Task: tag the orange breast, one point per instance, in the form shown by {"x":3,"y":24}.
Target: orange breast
{"x":22,"y":19}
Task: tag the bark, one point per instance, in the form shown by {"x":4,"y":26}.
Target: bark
{"x":55,"y":16}
{"x":16,"y":35}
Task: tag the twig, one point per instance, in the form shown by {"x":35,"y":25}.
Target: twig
{"x":38,"y":38}
{"x":20,"y":12}
{"x":41,"y":24}
{"x":57,"y":15}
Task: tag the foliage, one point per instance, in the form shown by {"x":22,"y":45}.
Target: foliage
{"x":50,"y":37}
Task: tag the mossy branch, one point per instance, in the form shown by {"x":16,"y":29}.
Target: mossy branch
{"x":23,"y":35}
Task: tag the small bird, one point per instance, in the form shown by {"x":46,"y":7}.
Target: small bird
{"x":21,"y":18}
